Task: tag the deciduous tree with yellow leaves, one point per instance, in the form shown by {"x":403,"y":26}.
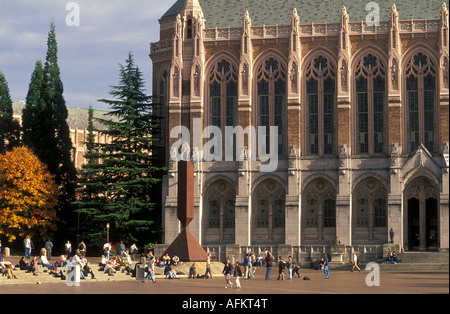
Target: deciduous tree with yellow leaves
{"x":28,"y":195}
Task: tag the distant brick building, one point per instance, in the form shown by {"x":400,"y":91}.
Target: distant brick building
{"x":362,"y":113}
{"x":78,"y":123}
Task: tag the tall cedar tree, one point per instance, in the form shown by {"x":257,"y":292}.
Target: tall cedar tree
{"x":46,"y":130}
{"x":90,"y":192}
{"x":119,"y":187}
{"x":37,"y":119}
{"x":9,"y":128}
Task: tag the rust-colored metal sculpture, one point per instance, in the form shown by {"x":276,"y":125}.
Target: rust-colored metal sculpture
{"x":185,"y":245}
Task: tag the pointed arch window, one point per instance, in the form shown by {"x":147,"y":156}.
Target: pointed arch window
{"x":421,"y":106}
{"x":370,"y":82}
{"x":223,"y":94}
{"x":219,"y":219}
{"x":271,"y":98}
{"x":320,"y":106}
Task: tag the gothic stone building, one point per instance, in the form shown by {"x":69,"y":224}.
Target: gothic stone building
{"x":362,"y":111}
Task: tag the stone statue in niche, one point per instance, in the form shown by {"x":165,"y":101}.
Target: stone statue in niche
{"x":245,"y":79}
{"x":197,"y":81}
{"x":344,"y":75}
{"x":293,"y":77}
{"x":394,"y":74}
{"x":445,"y":74}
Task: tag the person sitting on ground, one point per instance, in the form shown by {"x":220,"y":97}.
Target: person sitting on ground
{"x":166,"y":259}
{"x":110,"y":267}
{"x":88,"y":270}
{"x":102,"y":263}
{"x":169,"y":272}
{"x":175,"y":260}
{"x":395,"y":258}
{"x":126,"y":257}
{"x":192,"y":271}
{"x":122,"y":262}
{"x":56,"y":272}
{"x":43,"y":261}
{"x":63,"y":260}
{"x":34,"y":266}
{"x":77,"y":259}
{"x":23,"y":264}
{"x":7,"y":270}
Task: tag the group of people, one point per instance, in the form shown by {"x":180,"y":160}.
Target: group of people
{"x":249,"y":264}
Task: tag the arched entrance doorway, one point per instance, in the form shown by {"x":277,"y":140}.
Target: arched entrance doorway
{"x":421,"y":215}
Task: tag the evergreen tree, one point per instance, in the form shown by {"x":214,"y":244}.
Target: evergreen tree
{"x":65,"y":171}
{"x":9,"y":128}
{"x":90,"y":191}
{"x":37,"y":120}
{"x":127,"y":174}
{"x":46,"y":130}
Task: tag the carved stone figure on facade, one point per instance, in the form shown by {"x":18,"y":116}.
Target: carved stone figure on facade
{"x":196,"y":77}
{"x":445,"y":74}
{"x":344,"y":75}
{"x":394,"y":74}
{"x":245,"y":79}
{"x":293,"y":77}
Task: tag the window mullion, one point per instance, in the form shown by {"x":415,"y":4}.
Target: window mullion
{"x":370,"y":126}
{"x":421,"y":110}
{"x":320,"y":113}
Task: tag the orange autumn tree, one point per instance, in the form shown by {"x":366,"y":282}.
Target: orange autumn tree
{"x":28,"y":195}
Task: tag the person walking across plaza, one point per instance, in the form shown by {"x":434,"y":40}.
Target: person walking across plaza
{"x":68,"y":248}
{"x":355,"y":262}
{"x":325,"y":266}
{"x":227,"y":269}
{"x":237,"y":273}
{"x":208,"y":267}
{"x":268,"y":259}
{"x":28,"y":247}
{"x":48,"y":248}
{"x":289,"y":266}
{"x":281,"y":268}
{"x":150,"y":268}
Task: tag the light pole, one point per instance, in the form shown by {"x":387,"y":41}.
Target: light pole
{"x":107,"y":232}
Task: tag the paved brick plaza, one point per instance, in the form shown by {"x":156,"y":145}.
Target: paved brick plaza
{"x":339,"y":283}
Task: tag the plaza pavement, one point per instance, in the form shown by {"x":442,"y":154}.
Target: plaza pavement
{"x":341,"y":282}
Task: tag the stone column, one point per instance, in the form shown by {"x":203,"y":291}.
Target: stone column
{"x":293,"y":197}
{"x":343,"y":198}
{"x":243,"y":201}
{"x":444,"y":202}
{"x":395,"y":196}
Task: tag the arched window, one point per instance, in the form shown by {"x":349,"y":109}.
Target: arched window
{"x":421,"y":109}
{"x":161,"y":110}
{"x":319,"y":216}
{"x":189,"y":28}
{"x":369,"y":212}
{"x":271,"y":98}
{"x":223,"y":93}
{"x":370,"y":82}
{"x":219,"y":204}
{"x":320,"y":106}
{"x":269,"y":212}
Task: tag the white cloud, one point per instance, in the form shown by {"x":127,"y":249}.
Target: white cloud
{"x":89,"y":54}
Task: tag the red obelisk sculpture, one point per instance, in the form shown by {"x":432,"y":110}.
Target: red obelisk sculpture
{"x":185,"y":245}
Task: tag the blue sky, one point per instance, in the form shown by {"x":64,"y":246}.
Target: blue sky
{"x":89,"y":54}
